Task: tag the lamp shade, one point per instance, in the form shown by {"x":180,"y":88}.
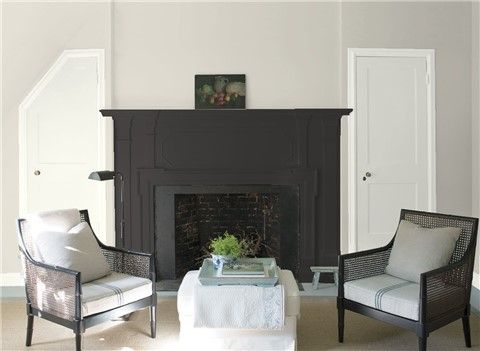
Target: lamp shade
{"x":102,"y":175}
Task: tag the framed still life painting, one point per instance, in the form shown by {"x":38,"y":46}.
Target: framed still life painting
{"x":220,"y":91}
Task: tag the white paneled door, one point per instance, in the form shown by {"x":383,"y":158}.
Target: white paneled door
{"x":62,"y":139}
{"x":393,"y":143}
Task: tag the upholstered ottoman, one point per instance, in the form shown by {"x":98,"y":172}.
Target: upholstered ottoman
{"x":238,"y":339}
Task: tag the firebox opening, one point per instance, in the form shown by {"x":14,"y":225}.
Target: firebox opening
{"x":187,"y":217}
{"x":201,"y":217}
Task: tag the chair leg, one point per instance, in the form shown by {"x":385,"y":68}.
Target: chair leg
{"x":78,"y":341}
{"x":341,"y":318}
{"x":28,"y":341}
{"x":153,"y":322}
{"x":466,"y":331}
{"x":422,"y":343}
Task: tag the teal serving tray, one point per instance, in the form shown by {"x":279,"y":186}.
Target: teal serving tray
{"x":208,"y":275}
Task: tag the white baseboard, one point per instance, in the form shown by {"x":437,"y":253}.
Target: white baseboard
{"x":11,"y":279}
{"x":476,"y":280}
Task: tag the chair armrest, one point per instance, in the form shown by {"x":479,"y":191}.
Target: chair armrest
{"x":363,"y":264}
{"x":138,"y":264}
{"x":52,"y":289}
{"x":446,"y":289}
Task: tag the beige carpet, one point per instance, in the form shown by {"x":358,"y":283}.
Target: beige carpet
{"x":317,"y":330}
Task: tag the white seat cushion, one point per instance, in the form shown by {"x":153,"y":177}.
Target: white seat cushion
{"x":386,"y":293}
{"x":113,"y":290}
{"x":185,"y":294}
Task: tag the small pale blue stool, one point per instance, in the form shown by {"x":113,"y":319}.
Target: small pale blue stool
{"x":324,"y":269}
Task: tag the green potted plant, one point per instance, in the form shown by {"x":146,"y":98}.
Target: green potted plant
{"x":226,"y":248}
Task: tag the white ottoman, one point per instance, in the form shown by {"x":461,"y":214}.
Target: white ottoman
{"x":238,"y":339}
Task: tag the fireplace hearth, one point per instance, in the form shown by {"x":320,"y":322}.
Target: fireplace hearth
{"x":247,"y":161}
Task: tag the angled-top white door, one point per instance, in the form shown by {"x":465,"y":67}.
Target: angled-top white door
{"x":62,"y":129}
{"x":392,"y":144}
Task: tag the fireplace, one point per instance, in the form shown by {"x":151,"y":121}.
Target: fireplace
{"x":186,"y":160}
{"x":187,"y":217}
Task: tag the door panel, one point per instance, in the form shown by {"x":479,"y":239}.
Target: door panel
{"x":404,"y":194}
{"x":392,"y":144}
{"x":62,"y":141}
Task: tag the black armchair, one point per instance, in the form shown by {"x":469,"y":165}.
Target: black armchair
{"x":55,"y":293}
{"x":444,"y":293}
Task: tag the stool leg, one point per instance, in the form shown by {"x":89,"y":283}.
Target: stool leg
{"x":316,"y":279}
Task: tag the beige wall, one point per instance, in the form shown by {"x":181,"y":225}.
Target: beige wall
{"x":293,"y":55}
{"x":34,"y":35}
{"x":288,"y":52}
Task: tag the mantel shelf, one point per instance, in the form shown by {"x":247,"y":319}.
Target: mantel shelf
{"x":225,"y":113}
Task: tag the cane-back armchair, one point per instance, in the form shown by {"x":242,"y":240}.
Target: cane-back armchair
{"x":441,"y":297}
{"x":57,"y":294}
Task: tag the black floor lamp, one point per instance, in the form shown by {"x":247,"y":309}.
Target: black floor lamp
{"x":109,"y":175}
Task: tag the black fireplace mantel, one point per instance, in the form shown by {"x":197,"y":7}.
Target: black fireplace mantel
{"x":232,"y":147}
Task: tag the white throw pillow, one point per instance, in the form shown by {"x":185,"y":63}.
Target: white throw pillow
{"x":418,"y":250}
{"x":55,"y":221}
{"x":76,"y":249}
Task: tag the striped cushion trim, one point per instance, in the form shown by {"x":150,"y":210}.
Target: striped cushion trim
{"x":380,"y":293}
{"x":117,"y":291}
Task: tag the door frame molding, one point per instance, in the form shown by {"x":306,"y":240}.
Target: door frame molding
{"x":353,"y":55}
{"x":105,"y":135}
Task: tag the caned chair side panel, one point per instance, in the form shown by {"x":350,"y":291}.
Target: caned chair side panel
{"x":47,"y":290}
{"x":366,"y":265}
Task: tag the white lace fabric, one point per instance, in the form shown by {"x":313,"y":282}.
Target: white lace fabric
{"x":239,"y":307}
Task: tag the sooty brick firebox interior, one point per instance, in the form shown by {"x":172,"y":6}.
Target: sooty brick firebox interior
{"x":201,"y":217}
{"x":297,"y":149}
{"x":266,"y":216}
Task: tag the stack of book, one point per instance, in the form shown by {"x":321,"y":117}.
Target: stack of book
{"x":243,"y":270}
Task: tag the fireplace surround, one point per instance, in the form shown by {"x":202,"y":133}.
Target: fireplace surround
{"x":239,"y":152}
